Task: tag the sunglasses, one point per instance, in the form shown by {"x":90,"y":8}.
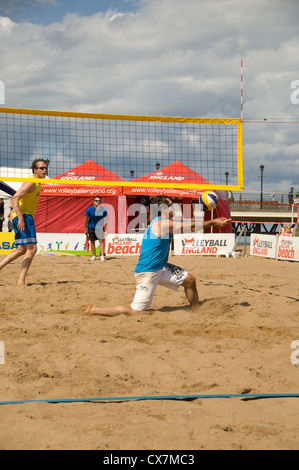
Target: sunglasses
{"x":42,"y":168}
{"x":97,"y":200}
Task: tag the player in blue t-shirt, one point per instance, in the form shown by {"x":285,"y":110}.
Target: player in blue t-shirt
{"x":153,"y":267}
{"x":94,"y":224}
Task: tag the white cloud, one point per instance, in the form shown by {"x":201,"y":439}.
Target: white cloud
{"x":6,"y":26}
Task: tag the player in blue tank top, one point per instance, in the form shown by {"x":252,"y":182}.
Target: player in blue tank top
{"x":153,"y":268}
{"x":154,"y":250}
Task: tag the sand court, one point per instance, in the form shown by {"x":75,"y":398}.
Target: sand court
{"x":239,"y":343}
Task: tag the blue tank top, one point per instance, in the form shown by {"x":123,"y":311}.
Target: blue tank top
{"x":154,"y":251}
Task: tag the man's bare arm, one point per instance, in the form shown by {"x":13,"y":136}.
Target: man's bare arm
{"x":162,"y":227}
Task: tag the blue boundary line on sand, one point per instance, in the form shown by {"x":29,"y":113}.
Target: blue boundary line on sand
{"x":244,"y":396}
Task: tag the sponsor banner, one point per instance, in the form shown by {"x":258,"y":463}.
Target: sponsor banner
{"x":203,"y":243}
{"x":171,"y":192}
{"x":263,"y":245}
{"x":123,"y":244}
{"x":63,"y":243}
{"x":288,"y":248}
{"x":7,"y":242}
{"x":71,"y":190}
{"x":58,"y":243}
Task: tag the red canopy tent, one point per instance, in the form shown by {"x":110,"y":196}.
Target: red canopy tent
{"x":62,"y":207}
{"x":177,"y":172}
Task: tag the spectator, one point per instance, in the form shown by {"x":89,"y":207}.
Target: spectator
{"x":9,"y":222}
{"x":94,"y":226}
{"x":286,"y":231}
{"x":1,"y":213}
{"x":291,"y":196}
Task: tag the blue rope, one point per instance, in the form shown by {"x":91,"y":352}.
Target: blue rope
{"x":165,"y":397}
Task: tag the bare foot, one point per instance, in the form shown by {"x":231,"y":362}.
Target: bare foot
{"x":109,"y":311}
{"x":90,"y":309}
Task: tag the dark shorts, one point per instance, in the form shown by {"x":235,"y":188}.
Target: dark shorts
{"x":27,"y":237}
{"x":96,"y":234}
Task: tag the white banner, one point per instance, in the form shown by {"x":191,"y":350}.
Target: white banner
{"x":263,"y":245}
{"x":60,"y":243}
{"x":119,"y":244}
{"x":203,"y":243}
{"x":288,"y":248}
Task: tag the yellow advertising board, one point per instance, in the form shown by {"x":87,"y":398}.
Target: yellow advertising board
{"x":7,"y":242}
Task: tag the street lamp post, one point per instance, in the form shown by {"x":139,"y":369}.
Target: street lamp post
{"x":262,"y":180}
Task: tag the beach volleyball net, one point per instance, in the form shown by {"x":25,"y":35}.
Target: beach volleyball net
{"x":145,"y":151}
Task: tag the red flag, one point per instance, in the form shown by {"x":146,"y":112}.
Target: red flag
{"x":87,"y":244}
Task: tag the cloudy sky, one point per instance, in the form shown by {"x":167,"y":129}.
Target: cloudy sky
{"x":164,"y":57}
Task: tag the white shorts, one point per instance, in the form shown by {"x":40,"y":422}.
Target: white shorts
{"x":170,"y":276}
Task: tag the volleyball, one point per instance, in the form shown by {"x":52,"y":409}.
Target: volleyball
{"x":208,"y":200}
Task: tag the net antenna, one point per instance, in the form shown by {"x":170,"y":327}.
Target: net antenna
{"x":241,"y":89}
{"x":160,"y":152}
